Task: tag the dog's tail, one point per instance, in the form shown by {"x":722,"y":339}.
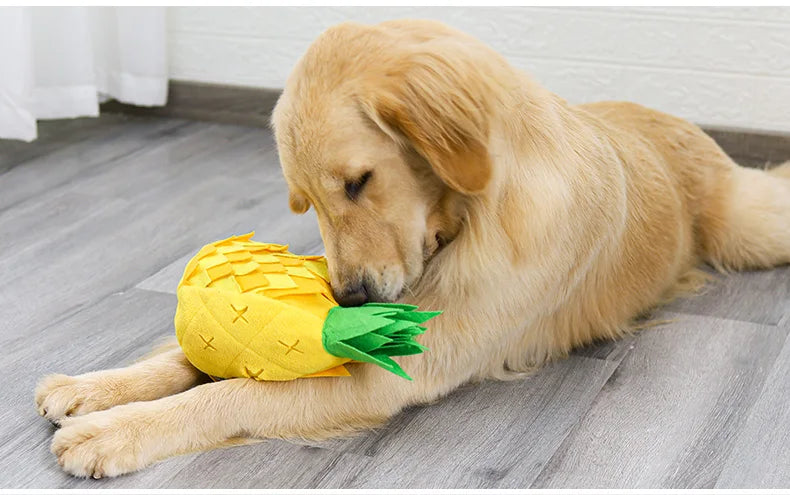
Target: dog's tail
{"x":749,"y":224}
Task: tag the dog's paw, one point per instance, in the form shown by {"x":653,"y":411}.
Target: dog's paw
{"x":98,"y":444}
{"x":59,"y":396}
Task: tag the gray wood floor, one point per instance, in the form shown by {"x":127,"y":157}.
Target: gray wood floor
{"x":98,"y":217}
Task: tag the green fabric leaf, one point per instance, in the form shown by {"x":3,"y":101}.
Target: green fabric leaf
{"x":343,"y":325}
{"x":368,"y":342}
{"x":373,"y":332}
{"x":417,"y":316}
{"x":404,"y":349}
{"x":411,"y":331}
{"x":379,"y":359}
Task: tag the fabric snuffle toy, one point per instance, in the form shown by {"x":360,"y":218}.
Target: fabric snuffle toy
{"x":250,"y":309}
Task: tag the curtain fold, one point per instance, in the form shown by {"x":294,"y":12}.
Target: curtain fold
{"x":60,"y":62}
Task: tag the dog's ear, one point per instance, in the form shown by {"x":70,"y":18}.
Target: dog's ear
{"x":439,"y":105}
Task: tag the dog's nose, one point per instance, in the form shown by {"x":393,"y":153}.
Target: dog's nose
{"x":353,"y":296}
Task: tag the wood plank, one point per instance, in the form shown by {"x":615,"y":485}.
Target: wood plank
{"x":272,"y":464}
{"x":488,"y":435}
{"x":609,"y":350}
{"x":55,"y":134}
{"x":33,"y":223}
{"x":66,"y":164}
{"x":197,"y":153}
{"x":761,"y":455}
{"x":108,"y":182}
{"x":670,"y":414}
{"x":211,"y":152}
{"x":755,"y":296}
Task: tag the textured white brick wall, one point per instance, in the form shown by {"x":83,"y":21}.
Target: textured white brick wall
{"x":714,"y":66}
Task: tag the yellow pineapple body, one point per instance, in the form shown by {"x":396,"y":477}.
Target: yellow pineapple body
{"x":250,"y":309}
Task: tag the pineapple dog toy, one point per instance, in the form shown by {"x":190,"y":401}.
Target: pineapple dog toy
{"x":249,"y":309}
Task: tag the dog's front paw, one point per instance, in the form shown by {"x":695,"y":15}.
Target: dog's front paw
{"x":99,"y":444}
{"x":59,"y":396}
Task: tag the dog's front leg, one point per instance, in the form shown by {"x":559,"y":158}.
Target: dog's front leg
{"x":166,"y":373}
{"x":129,"y":437}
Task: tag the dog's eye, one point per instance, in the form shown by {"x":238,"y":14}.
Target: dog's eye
{"x":353,"y":188}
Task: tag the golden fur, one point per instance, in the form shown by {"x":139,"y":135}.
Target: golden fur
{"x":537,"y":226}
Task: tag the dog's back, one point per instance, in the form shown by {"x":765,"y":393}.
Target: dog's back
{"x":741,"y":217}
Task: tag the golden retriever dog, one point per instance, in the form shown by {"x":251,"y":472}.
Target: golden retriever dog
{"x":443,"y":176}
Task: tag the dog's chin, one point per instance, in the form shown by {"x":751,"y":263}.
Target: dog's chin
{"x":411,"y":281}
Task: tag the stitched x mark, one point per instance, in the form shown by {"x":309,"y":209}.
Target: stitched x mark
{"x":291,"y":347}
{"x":239,"y":313}
{"x":208,"y":343}
{"x":250,"y":374}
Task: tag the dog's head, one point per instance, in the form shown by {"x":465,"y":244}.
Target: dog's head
{"x":384,"y":131}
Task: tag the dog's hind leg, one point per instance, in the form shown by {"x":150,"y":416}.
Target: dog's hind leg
{"x":746,"y":221}
{"x":162,"y":374}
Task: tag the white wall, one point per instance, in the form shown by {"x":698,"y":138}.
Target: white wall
{"x":715,"y":66}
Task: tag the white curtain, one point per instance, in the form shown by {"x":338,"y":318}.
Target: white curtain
{"x":61,"y":62}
